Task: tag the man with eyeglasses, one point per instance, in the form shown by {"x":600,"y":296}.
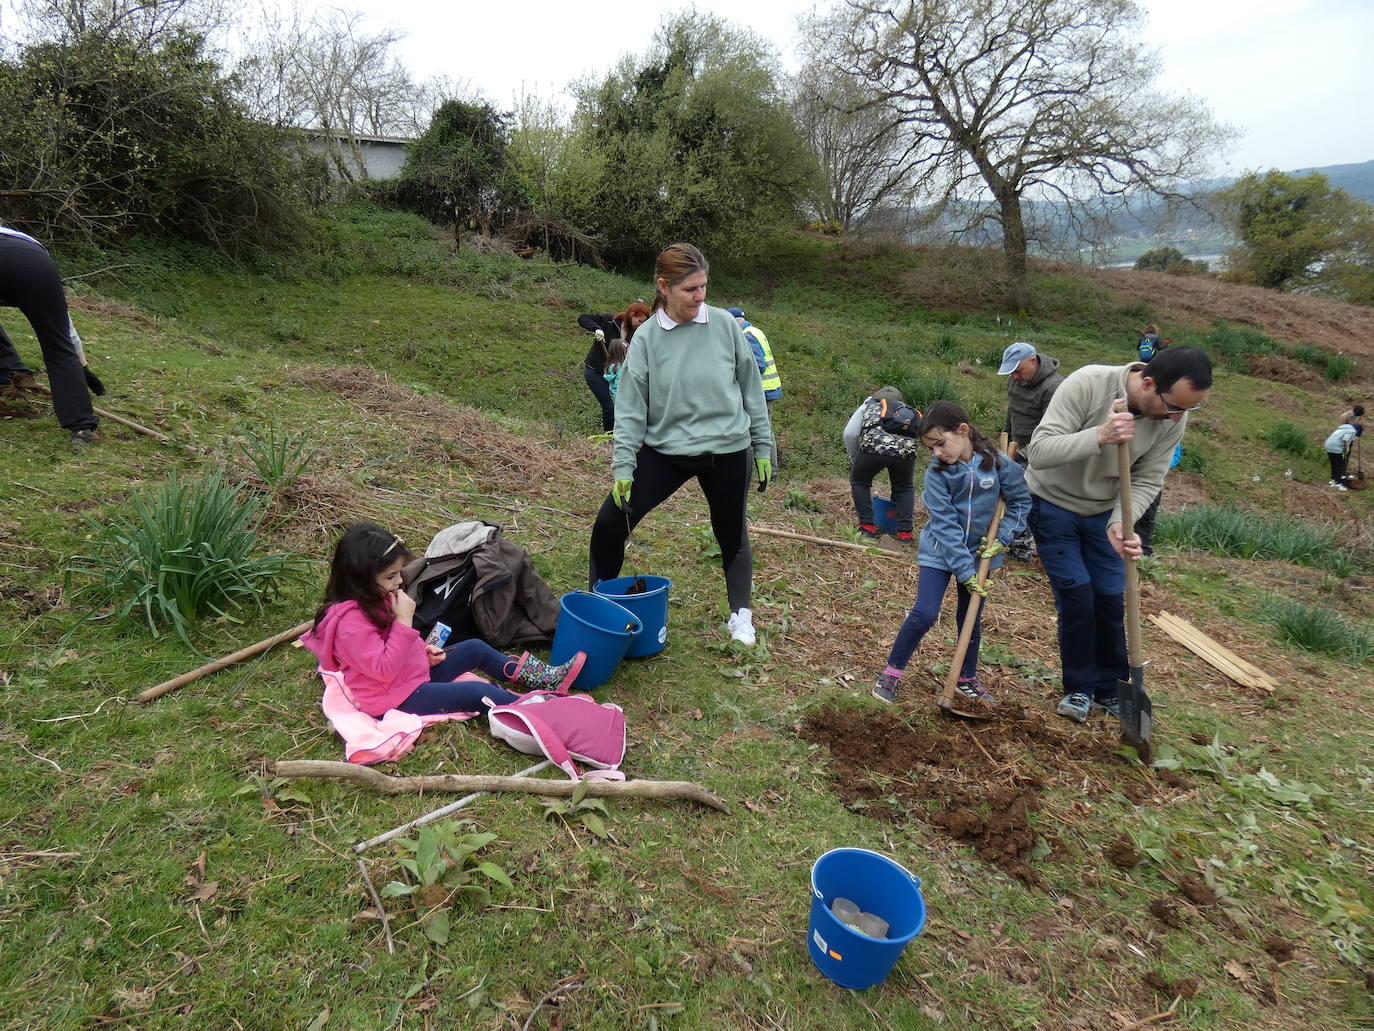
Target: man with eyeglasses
{"x":1076,"y":503}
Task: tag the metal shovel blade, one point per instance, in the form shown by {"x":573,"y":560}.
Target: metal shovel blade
{"x":1137,"y":714}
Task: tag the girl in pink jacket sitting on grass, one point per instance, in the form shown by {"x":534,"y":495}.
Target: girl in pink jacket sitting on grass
{"x":363,"y":630}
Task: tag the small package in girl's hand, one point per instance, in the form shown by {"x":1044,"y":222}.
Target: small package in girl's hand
{"x":439,"y":634}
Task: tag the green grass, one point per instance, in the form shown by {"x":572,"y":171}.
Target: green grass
{"x":1316,"y":629}
{"x":1251,"y":535}
{"x":1284,"y":436}
{"x":157,"y":875}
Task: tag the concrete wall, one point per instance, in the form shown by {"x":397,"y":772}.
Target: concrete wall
{"x":382,"y":158}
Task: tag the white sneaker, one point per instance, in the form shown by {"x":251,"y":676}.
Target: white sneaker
{"x":741,"y":627}
{"x":1339,"y":486}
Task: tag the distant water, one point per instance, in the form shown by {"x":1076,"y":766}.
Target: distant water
{"x":1214,"y":261}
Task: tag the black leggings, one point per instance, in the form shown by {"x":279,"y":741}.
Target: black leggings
{"x":724,"y":480}
{"x":1338,"y":466}
{"x":29,"y":281}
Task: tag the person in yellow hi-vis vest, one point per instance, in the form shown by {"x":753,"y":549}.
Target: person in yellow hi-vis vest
{"x":768,"y":370}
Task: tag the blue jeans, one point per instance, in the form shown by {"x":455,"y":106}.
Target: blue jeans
{"x":442,"y":694}
{"x":1087,"y":578}
{"x":931,"y":584}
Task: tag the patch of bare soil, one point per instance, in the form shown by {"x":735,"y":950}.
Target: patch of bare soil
{"x":1317,"y":503}
{"x":1280,"y":949}
{"x":1166,"y":913}
{"x":1183,"y":988}
{"x":1122,"y":852}
{"x":17,"y":406}
{"x":975,"y":784}
{"x":1195,"y":890}
{"x":1280,"y":369}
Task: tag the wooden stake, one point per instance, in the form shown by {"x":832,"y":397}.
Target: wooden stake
{"x":117,"y":418}
{"x":453,"y":782}
{"x":1214,"y":654}
{"x":219,"y":664}
{"x":866,"y":549}
{"x":441,"y":812}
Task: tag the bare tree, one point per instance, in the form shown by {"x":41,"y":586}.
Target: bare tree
{"x":140,"y":22}
{"x":329,"y":72}
{"x":1047,"y":100}
{"x":859,"y":143}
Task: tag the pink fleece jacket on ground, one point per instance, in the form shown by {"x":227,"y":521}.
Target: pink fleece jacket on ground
{"x":383,"y":667}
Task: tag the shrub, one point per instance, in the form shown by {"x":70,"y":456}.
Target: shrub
{"x":1339,"y":368}
{"x":1170,"y":260}
{"x":278,"y":458}
{"x":1317,"y":630}
{"x":1192,"y":460}
{"x":918,"y":387}
{"x":1239,"y":534}
{"x":181,"y":553}
{"x":1284,"y":436}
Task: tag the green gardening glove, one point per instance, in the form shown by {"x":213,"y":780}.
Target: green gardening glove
{"x":764,"y":467}
{"x":974,"y":587}
{"x":620,"y":492}
{"x":986,"y":550}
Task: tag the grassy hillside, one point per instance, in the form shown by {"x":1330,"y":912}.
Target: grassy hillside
{"x":156,"y":874}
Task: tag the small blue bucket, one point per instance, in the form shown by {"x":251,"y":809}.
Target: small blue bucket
{"x":650,"y":605}
{"x":595,"y":625}
{"x":876,"y":885}
{"x":884,"y":515}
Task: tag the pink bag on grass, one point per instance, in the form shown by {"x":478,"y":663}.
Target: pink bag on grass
{"x":567,"y":729}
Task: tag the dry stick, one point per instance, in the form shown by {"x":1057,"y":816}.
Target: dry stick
{"x":377,"y":904}
{"x":228,"y":660}
{"x":117,"y":418}
{"x":882,"y":552}
{"x":453,"y":782}
{"x":564,"y":986}
{"x":452,"y":807}
{"x":1156,"y":1018}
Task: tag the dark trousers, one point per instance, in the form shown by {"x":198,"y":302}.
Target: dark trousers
{"x":931,"y":585}
{"x":1338,"y":466}
{"x":1145,"y":525}
{"x":1087,"y":578}
{"x":899,"y":475}
{"x":29,"y":281}
{"x":597,"y":384}
{"x":442,"y":694}
{"x":725,"y":481}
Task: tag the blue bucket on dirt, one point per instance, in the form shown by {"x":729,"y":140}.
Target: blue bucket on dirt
{"x":595,"y":625}
{"x":650,"y":605}
{"x":884,"y":515}
{"x":876,"y":885}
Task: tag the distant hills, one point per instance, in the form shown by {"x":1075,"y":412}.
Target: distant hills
{"x":1356,"y":180}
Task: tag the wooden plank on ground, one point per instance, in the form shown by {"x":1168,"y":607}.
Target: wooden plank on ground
{"x":1214,"y":654}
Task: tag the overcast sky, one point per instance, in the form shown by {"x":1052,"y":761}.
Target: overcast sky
{"x":1293,"y":75}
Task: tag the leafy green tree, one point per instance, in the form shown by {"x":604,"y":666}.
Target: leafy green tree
{"x":1008,"y":101}
{"x":555,"y":175}
{"x":108,"y":134}
{"x":698,"y":142}
{"x":456,"y":172}
{"x":1298,"y":232}
{"x":1171,"y":260}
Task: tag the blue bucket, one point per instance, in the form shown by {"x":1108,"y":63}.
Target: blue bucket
{"x":650,"y":605}
{"x":884,"y":515}
{"x":595,"y":625}
{"x":876,"y":885}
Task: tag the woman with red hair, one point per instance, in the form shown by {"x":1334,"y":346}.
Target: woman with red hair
{"x":606,"y":330}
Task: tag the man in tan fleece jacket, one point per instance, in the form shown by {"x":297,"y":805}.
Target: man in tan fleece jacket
{"x":1076,"y":503}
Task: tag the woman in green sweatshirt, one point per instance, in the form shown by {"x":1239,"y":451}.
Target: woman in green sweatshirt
{"x":689,"y":405}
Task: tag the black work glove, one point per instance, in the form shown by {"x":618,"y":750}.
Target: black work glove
{"x":93,"y":381}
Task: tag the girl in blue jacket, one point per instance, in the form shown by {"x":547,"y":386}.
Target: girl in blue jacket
{"x":967,"y":475}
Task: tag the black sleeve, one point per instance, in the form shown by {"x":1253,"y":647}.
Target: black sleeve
{"x":606,"y":323}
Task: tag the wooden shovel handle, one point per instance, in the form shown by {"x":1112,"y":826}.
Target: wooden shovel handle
{"x":975,"y":603}
{"x":1133,"y":653}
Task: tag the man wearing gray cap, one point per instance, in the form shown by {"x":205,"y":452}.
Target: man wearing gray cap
{"x":1032,"y":380}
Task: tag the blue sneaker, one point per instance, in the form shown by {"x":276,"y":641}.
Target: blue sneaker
{"x":885,"y":687}
{"x":1108,"y":706}
{"x":1075,"y":707}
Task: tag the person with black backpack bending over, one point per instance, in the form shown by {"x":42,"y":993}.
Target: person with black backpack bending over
{"x":363,"y":631}
{"x":689,"y":406}
{"x":875,"y":443}
{"x":966,"y":477}
{"x":607,"y":331}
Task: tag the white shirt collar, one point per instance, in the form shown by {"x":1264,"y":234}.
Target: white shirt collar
{"x":667,"y":323}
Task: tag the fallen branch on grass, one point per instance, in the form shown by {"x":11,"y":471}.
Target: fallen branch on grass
{"x":219,"y":664}
{"x":865,"y":548}
{"x":453,"y":782}
{"x":136,"y":427}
